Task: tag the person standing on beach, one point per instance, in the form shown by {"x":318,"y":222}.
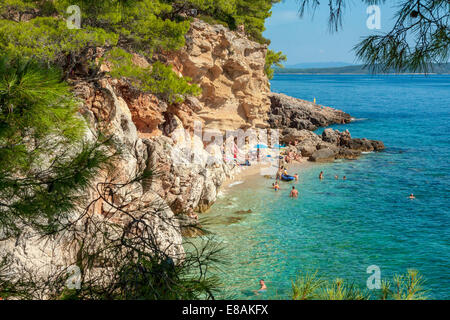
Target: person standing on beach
{"x":279,"y":173}
{"x":235,"y":149}
{"x":294,"y":193}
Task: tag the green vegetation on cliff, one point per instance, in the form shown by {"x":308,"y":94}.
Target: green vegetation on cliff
{"x":39,"y":178}
{"x":157,"y":79}
{"x":251,"y":14}
{"x":39,"y":29}
{"x":273,"y":59}
{"x":133,"y":26}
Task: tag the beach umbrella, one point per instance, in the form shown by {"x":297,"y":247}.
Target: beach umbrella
{"x":261,"y":146}
{"x":279,"y":146}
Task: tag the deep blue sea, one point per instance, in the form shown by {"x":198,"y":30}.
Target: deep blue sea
{"x":341,"y":227}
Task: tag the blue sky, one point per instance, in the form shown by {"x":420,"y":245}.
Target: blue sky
{"x":307,"y":39}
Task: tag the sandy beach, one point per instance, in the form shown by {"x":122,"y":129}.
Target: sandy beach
{"x":254,"y":171}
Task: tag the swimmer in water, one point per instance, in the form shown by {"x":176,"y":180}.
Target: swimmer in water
{"x":321,"y":175}
{"x":263,"y":286}
{"x":411,"y":196}
{"x":276,"y":187}
{"x":294,"y":193}
{"x":296,"y":176}
{"x":344,"y":178}
{"x":336,"y":177}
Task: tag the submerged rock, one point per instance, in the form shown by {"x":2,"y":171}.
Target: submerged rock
{"x":244,"y":211}
{"x":233,"y":220}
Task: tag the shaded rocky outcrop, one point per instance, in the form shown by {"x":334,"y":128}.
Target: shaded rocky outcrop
{"x":289,"y":112}
{"x":297,"y":119}
{"x":95,"y":220}
{"x":187,"y":186}
{"x":179,"y":187}
{"x":331,"y":145}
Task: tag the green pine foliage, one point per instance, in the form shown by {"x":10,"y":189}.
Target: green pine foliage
{"x":43,"y":161}
{"x":140,"y":24}
{"x":34,"y":103}
{"x":232,"y":13}
{"x":306,"y":285}
{"x":409,"y":286}
{"x":253,"y":14}
{"x":273,"y":59}
{"x":130,"y":26}
{"x":49,"y":40}
{"x":38,"y":29}
{"x":157,"y":78}
{"x":340,"y":290}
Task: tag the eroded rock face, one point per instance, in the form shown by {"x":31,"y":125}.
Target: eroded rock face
{"x":288,"y":112}
{"x":41,"y":257}
{"x":131,"y":118}
{"x":147,"y":111}
{"x":230,"y":70}
{"x":188,"y":184}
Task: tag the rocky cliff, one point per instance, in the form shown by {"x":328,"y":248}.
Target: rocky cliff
{"x":230,"y":70}
{"x":151,"y":135}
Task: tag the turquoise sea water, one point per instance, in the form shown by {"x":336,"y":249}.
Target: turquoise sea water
{"x":342,"y":227}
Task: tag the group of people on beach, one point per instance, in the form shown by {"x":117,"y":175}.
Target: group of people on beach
{"x":282,"y":170}
{"x":294,"y":192}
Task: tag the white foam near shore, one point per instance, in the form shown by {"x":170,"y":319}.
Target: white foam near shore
{"x":235,"y":183}
{"x":221,"y":194}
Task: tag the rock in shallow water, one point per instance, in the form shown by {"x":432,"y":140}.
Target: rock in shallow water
{"x":289,"y":112}
{"x":325,"y":154}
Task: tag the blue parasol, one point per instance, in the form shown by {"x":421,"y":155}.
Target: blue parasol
{"x":261,"y":146}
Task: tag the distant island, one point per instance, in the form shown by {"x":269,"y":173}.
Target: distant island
{"x":311,"y":65}
{"x":356,"y":69}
